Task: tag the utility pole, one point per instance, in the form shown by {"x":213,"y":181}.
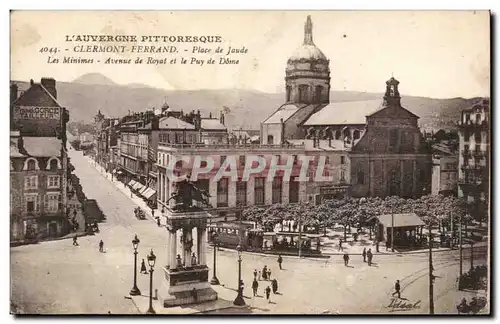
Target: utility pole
{"x":460,"y":247}
{"x":431,"y":275}
{"x":392,"y":231}
{"x":452,"y":230}
{"x":300,"y":235}
{"x":471,"y":255}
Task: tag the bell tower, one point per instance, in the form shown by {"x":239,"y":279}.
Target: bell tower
{"x":392,"y":97}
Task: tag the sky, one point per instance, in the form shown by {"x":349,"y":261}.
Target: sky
{"x":438,"y":54}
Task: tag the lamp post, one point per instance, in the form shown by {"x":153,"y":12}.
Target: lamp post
{"x":135,"y":291}
{"x":214,"y":280}
{"x":151,"y":262}
{"x":239,"y":301}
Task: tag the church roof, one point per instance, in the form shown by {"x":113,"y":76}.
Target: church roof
{"x":286,"y":111}
{"x":344,"y":113}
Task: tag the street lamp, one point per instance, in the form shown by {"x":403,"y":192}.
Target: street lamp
{"x":135,"y":291}
{"x":239,"y":301}
{"x":151,"y":262}
{"x":214,"y":280}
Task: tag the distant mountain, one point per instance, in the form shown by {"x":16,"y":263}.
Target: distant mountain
{"x":94,"y":79}
{"x":244,"y":108}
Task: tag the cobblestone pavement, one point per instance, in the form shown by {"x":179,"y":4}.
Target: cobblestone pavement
{"x":57,"y":277}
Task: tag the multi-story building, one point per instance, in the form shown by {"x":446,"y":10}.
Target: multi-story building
{"x":444,"y":170}
{"x":38,"y":162}
{"x":474,"y":157}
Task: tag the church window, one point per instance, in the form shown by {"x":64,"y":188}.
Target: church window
{"x":303,"y":93}
{"x":317,"y":94}
{"x":288,"y":93}
{"x":392,"y":91}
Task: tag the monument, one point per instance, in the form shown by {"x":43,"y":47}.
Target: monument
{"x":186,"y":274}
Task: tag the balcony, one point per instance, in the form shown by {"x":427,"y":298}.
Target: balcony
{"x":473,"y":124}
{"x":470,"y":180}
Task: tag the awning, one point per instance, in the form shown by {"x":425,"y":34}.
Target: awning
{"x":401,"y":220}
{"x":143,"y":190}
{"x":137,"y":186}
{"x":149,"y":193}
{"x":132,"y":183}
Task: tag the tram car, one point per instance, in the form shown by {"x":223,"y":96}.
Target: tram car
{"x":230,"y":234}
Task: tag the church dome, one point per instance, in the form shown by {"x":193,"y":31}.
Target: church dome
{"x":308,"y":52}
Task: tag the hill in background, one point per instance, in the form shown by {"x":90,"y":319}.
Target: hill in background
{"x":244,"y":108}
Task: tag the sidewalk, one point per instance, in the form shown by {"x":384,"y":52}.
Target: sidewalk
{"x":126,"y":191}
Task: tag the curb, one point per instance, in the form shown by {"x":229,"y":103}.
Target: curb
{"x":66,"y":237}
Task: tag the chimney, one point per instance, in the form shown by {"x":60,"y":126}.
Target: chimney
{"x":222,"y":118}
{"x":50,"y":85}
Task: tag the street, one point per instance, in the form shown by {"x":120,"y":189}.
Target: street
{"x":59,"y":278}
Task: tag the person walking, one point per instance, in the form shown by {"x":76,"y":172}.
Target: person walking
{"x":260,"y":276}
{"x":397,"y":288}
{"x":269,"y":274}
{"x":346,"y":259}
{"x":143,"y":267}
{"x":255,"y":274}
{"x":274,"y":284}
{"x":264,"y":273}
{"x":340,"y":246}
{"x":280,"y":261}
{"x":158,"y":221}
{"x":255,"y":287}
{"x":101,"y":246}
{"x":153,"y":212}
{"x":75,"y":243}
{"x":268,"y":294}
{"x":364,"y":254}
{"x":369,"y":254}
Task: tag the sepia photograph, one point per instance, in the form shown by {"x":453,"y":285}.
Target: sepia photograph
{"x":321,"y":162}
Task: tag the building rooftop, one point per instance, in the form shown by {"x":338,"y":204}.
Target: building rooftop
{"x":212,"y":124}
{"x":344,"y":113}
{"x":285,"y":112}
{"x":174,"y":123}
{"x":401,"y":220}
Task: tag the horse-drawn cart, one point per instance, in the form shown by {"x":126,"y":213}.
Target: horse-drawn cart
{"x":139,"y":213}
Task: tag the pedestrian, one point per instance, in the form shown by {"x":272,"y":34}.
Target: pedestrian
{"x":255,"y":286}
{"x":264,"y":273}
{"x":259,"y":275}
{"x":364,"y":254}
{"x":153,"y":212}
{"x":101,"y":246}
{"x":280,"y":261}
{"x":255,"y":274}
{"x":397,"y":289}
{"x":340,"y":245}
{"x":158,"y":221}
{"x":369,"y":254}
{"x":193,"y":259}
{"x":143,"y":267}
{"x":274,"y":284}
{"x":268,"y":294}
{"x":242,"y":286}
{"x":269,"y":274}
{"x":376,"y":246}
{"x":346,"y":259}
{"x":75,"y":243}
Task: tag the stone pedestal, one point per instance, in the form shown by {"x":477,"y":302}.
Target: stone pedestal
{"x":186,"y":283}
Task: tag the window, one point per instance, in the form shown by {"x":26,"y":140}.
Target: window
{"x":53,"y":182}
{"x":222,"y":159}
{"x":294,"y":190}
{"x":477,"y":137}
{"x":357,"y":134}
{"x":327,"y":160}
{"x":393,"y":137}
{"x":361,"y":177}
{"x":295,"y":160}
{"x":52,"y":202}
{"x":477,"y":148}
{"x":466,"y":148}
{"x":270,"y":139}
{"x":259,"y":190}
{"x":288,"y":93}
{"x":278,"y":160}
{"x":242,"y":159}
{"x":31,"y":203}
{"x":222,"y":192}
{"x":241,"y":193}
{"x":303,"y":92}
{"x":338,"y":135}
{"x":203,"y":164}
{"x":342,"y":159}
{"x":478,"y":118}
{"x":31,"y":165}
{"x":342,"y":176}
{"x":277,"y":190}
{"x":31,"y":182}
{"x":317,"y":94}
{"x":53,"y":165}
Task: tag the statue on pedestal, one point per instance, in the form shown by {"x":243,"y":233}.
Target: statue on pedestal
{"x":186,"y":192}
